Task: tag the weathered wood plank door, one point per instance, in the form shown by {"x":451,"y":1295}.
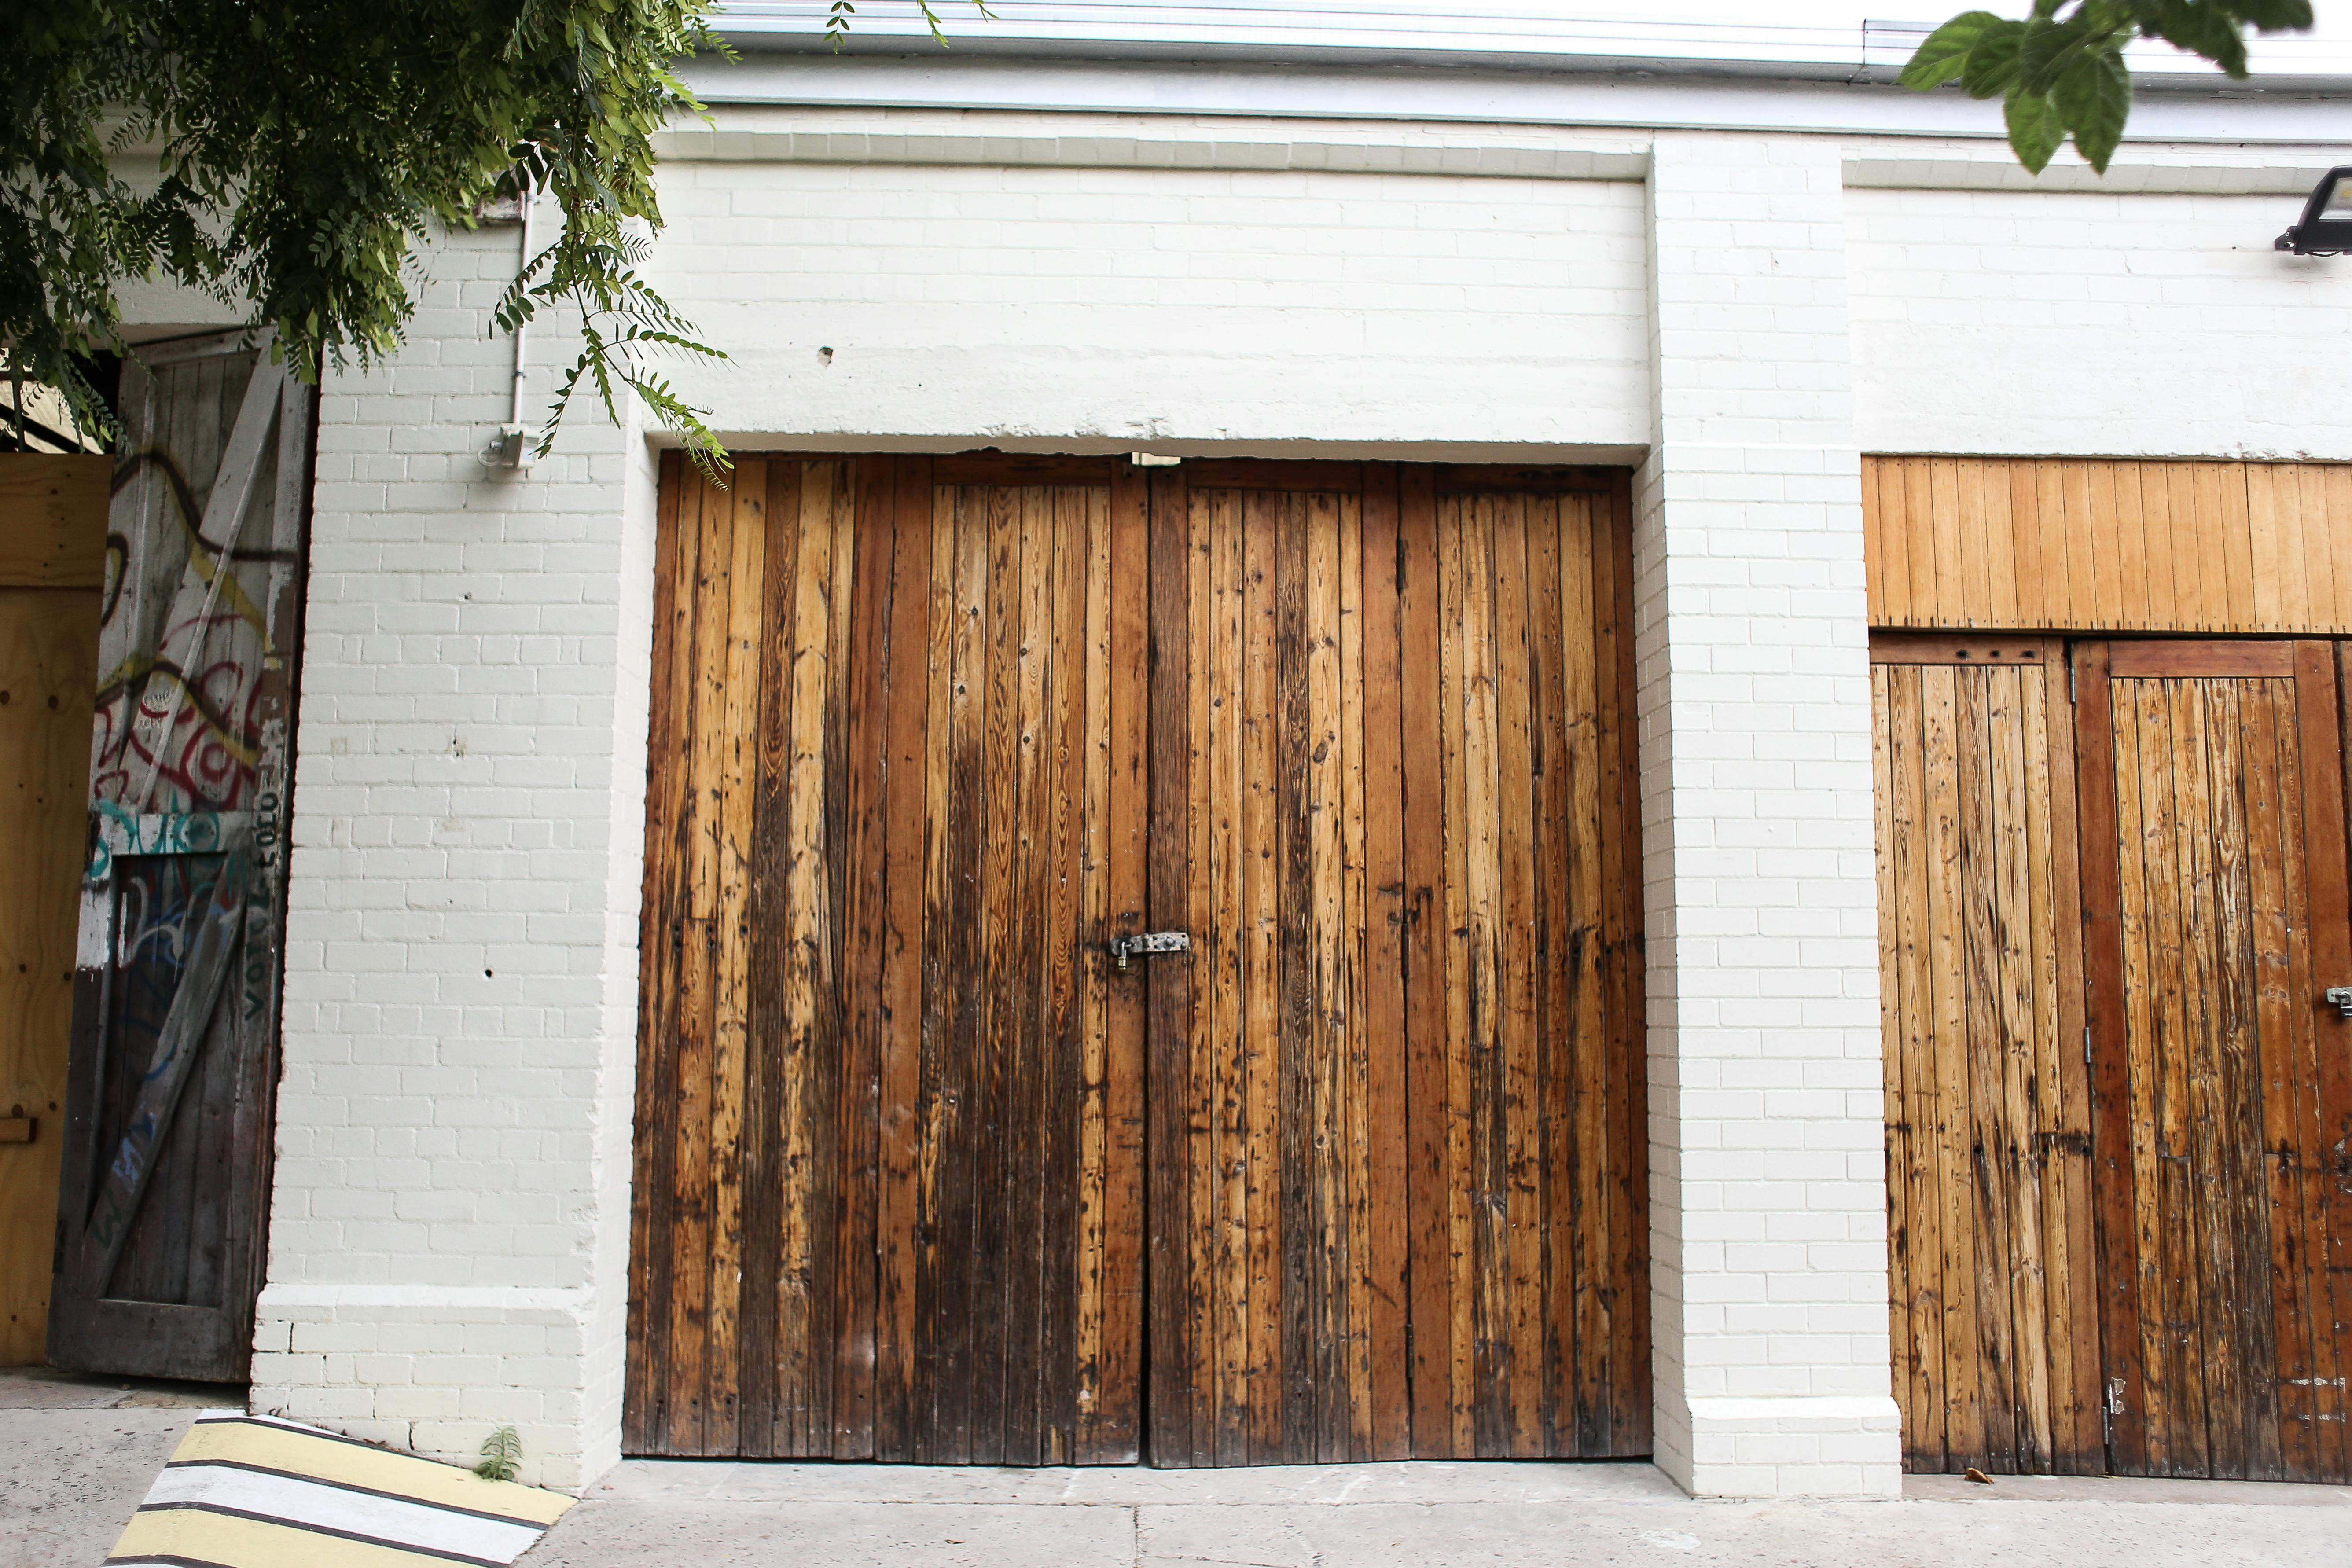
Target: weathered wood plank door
{"x":927,"y":734}
{"x":1395,"y":1094}
{"x":1991,"y":1273}
{"x":888,"y":1120}
{"x":52,"y":532}
{"x":2214,"y":892}
{"x":164,"y":1191}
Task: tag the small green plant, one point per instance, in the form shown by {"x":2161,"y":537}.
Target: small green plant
{"x":502,"y":1454}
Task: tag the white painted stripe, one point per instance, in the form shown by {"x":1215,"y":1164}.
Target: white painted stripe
{"x":301,"y":1503}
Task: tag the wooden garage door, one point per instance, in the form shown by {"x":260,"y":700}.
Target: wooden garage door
{"x":1396,"y":1095}
{"x":927,"y":734}
{"x":2214,"y":884}
{"x":886,"y":1112}
{"x":1991,"y":1305}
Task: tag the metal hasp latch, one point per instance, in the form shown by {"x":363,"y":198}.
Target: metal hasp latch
{"x":2340,"y":998}
{"x":1150,"y":941}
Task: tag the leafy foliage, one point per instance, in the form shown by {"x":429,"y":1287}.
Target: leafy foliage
{"x":302,"y":148}
{"x":2059,"y":72}
{"x":838,"y":14}
{"x":501,"y":1456}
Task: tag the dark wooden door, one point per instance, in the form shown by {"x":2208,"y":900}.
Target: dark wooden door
{"x":1395,"y":1091}
{"x":927,"y":734}
{"x":2214,"y":894}
{"x":173,"y":1069}
{"x":886,"y":1198}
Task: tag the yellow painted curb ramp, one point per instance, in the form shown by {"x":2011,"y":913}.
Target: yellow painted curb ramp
{"x":250,"y":1491}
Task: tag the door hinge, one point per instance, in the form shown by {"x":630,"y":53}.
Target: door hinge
{"x":2069,"y":681}
{"x":2086,"y":1044}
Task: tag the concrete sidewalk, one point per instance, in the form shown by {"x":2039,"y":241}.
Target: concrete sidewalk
{"x":76,"y":1455}
{"x":1500,"y":1515}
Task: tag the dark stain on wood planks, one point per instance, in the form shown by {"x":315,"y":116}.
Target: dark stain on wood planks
{"x":926,"y":734}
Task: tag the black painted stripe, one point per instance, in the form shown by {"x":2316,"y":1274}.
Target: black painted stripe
{"x":214,"y":1507}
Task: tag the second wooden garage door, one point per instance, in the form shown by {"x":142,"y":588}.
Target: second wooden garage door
{"x":923,"y":1173}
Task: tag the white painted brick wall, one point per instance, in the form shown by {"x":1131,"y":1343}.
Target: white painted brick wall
{"x":448,"y":1239}
{"x":449,"y":1221}
{"x":1769,"y":1261}
{"x":2129,"y":325}
{"x":1126,"y":306}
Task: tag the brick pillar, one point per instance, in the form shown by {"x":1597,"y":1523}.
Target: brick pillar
{"x":450,"y":1227}
{"x":1767,"y":1186}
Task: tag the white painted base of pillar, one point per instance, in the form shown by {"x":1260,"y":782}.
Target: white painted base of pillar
{"x":432,"y":1370}
{"x":1781,"y":1448}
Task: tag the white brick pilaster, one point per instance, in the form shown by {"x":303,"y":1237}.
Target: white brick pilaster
{"x":449,"y":1228}
{"x":1768,"y":1192}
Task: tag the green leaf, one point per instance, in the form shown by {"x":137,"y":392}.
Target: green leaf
{"x":501,"y":1456}
{"x":2034,"y":131}
{"x":1992,"y":64}
{"x":2267,"y":15}
{"x":1945,"y":54}
{"x":2200,"y":28}
{"x":2094,"y":101}
{"x":2046,"y":50}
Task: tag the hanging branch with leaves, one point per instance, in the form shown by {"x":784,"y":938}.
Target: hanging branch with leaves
{"x":288,"y":157}
{"x":2059,"y":72}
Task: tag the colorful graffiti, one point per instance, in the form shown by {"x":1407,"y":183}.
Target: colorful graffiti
{"x":180,"y":908}
{"x":178,"y":705}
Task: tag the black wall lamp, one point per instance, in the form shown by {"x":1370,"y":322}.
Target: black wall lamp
{"x":2327,"y":225}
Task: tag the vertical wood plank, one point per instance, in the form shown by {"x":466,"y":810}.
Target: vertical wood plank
{"x":1924,"y":1088}
{"x":1948,"y":1027}
{"x":1570,"y":946}
{"x":1981,"y":1050}
{"x":1890,"y":1033}
{"x":654,"y":1139}
{"x":2321,"y":700}
{"x":1420,"y":695}
{"x":764,"y":1185}
{"x":2116,"y":1170}
{"x":907,"y":688}
{"x":1119,"y":1419}
{"x":1388,"y":913}
{"x":1355,"y":1115}
{"x":1516,"y":1021}
{"x":1211,"y":1227}
{"x":1174,"y":1357}
{"x":1330,"y":1027}
{"x":691,"y":1234}
{"x":737,"y":786}
{"x":1220,"y":517}
{"x":2035,"y":602}
{"x":867,"y":841}
{"x":1627,"y":1300}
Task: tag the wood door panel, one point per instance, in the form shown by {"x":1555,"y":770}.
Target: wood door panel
{"x":926,"y":734}
{"x":49,"y":658}
{"x":164,"y":1195}
{"x":1394,"y":798}
{"x":2216,"y":890}
{"x":886,"y":1075}
{"x":1987,"y":1108}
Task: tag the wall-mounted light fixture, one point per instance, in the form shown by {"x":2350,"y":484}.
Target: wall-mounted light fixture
{"x":2327,"y":225}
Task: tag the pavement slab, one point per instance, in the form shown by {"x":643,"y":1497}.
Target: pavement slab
{"x":78,"y":1453}
{"x":1495,"y":1515}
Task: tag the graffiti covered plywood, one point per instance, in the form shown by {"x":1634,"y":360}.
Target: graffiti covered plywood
{"x":177,"y":968}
